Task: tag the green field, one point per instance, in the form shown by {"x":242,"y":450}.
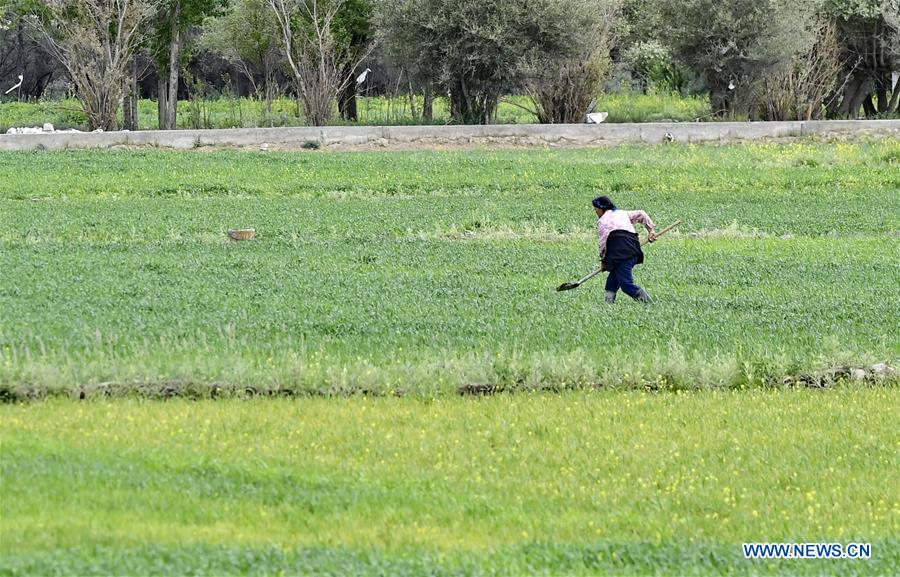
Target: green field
{"x":621,"y":440}
{"x":399,"y":272}
{"x":601,"y":482}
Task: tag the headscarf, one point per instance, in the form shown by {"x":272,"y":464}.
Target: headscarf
{"x":603,"y":203}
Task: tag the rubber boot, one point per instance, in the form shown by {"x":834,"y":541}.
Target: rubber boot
{"x":610,"y":297}
{"x":642,"y":296}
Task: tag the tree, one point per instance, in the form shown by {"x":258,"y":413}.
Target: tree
{"x":318,"y":58}
{"x":173,"y":19}
{"x":248,"y":36}
{"x":94,"y":41}
{"x":399,"y":26}
{"x":735,"y":44}
{"x":21,"y":52}
{"x":475,"y":51}
{"x":482,"y":45}
{"x":352,"y":26}
{"x":891,"y":14}
{"x":868,"y":35}
{"x":563,"y":76}
{"x":799,"y":89}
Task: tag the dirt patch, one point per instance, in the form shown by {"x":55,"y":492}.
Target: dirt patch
{"x":872,"y":374}
{"x":479,"y":390}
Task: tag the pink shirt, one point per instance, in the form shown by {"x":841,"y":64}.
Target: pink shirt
{"x":620,"y":220}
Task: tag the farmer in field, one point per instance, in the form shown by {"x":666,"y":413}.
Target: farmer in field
{"x":620,"y":248}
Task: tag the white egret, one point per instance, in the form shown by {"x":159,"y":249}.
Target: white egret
{"x":362,"y":77}
{"x":16,"y":86}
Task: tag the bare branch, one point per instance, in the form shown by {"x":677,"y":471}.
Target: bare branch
{"x":94,"y":41}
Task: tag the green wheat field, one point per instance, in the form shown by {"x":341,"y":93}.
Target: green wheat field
{"x":177,"y":403}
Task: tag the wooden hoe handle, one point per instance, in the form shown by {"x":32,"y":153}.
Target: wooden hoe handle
{"x":663,"y":231}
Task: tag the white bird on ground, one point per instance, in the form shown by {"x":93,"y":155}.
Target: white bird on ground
{"x":16,"y":86}
{"x":362,"y":77}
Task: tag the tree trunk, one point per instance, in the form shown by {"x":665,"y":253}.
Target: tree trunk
{"x":412,"y":102}
{"x":882,"y":93}
{"x":458,"y":107}
{"x":161,"y":96}
{"x":833,"y":98}
{"x":719,"y":98}
{"x":862,"y":94}
{"x":20,"y":54}
{"x":129,"y":122}
{"x":127,"y":118}
{"x":868,"y":106}
{"x":174,"y":67}
{"x":469,"y":108}
{"x":852,"y":87}
{"x":135,"y":94}
{"x":268,"y":86}
{"x":895,"y":97}
{"x":100,"y":105}
{"x":428,"y":103}
{"x":347,"y":99}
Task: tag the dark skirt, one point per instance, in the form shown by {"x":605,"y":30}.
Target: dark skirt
{"x":622,"y":245}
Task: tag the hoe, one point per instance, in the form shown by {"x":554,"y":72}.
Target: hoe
{"x":567,"y":286}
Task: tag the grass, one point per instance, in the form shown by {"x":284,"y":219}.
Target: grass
{"x":372,"y":110}
{"x":418,"y":273}
{"x":376,"y":274}
{"x":654,"y":107}
{"x":625,"y":483}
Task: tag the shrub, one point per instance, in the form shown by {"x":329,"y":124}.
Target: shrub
{"x":562,"y":78}
{"x":651,"y":62}
{"x":799,"y":89}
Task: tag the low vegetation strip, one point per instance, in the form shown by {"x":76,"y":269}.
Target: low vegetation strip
{"x":372,"y":111}
{"x":433,"y":272}
{"x":630,"y":483}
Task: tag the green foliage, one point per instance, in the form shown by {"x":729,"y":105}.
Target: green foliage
{"x":352,"y":23}
{"x":248,"y":36}
{"x":735,"y":44}
{"x":247,"y":31}
{"x":147,"y":292}
{"x":652,"y":62}
{"x":848,"y":9}
{"x":14,"y":9}
{"x":190,"y":13}
{"x":478,"y":50}
{"x":593,"y":483}
{"x":474,"y":48}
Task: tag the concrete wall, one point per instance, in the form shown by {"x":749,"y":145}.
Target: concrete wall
{"x":537,"y":134}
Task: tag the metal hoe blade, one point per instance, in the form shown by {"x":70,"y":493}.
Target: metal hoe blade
{"x":567,"y":286}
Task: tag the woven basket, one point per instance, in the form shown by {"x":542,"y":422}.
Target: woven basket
{"x":241,"y":233}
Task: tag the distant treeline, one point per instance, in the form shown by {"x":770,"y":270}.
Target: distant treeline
{"x":767,"y":60}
